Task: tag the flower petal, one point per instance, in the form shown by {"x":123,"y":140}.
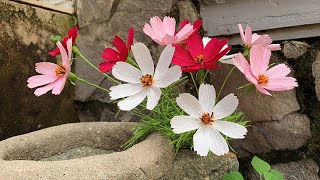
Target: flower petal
{"x":225,"y":107}
{"x":182,"y":57}
{"x":46,"y":68}
{"x":153,"y":95}
{"x":143,"y":57}
{"x":106,"y":66}
{"x":274,"y":47}
{"x":44,"y":89}
{"x":242,"y":34}
{"x":248,"y":34}
{"x":168,"y":77}
{"x":195,"y":46}
{"x":126,"y":72}
{"x":121,"y":47}
{"x":205,"y":41}
{"x":185,"y":32}
{"x":207,"y":97}
{"x":262,"y":90}
{"x":124,"y":90}
{"x":147,"y":29}
{"x":227,"y":59}
{"x":181,"y":124}
{"x":63,"y":52}
{"x":259,"y":59}
{"x":230,"y":129}
{"x":110,"y":55}
{"x":40,"y":80}
{"x":130,"y":37}
{"x":164,"y":61}
{"x":278,"y":71}
{"x":189,"y":104}
{"x":69,"y":48}
{"x":59,"y":85}
{"x":169,"y":25}
{"x":263,"y":40}
{"x":169,"y":39}
{"x":281,"y":84}
{"x":157,"y":26}
{"x":132,"y":101}
{"x":241,"y":63}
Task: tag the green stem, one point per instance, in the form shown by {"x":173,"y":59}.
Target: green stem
{"x":132,"y":62}
{"x":205,"y":76}
{"x":194,"y":83}
{"x":77,"y":52}
{"x":168,"y":98}
{"x":225,"y":80}
{"x":94,"y":85}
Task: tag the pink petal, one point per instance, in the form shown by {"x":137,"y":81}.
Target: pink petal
{"x":263,"y":40}
{"x":106,"y":66}
{"x":40,"y":80}
{"x":278,"y":71}
{"x":242,"y":34}
{"x":169,"y":24}
{"x":274,"y":47}
{"x":185,"y":32}
{"x":248,"y":34}
{"x":262,"y":90}
{"x":259,"y":59}
{"x":249,"y":75}
{"x":281,"y":84}
{"x":59,"y":85}
{"x":169,"y":39}
{"x":47,"y":68}
{"x":63,"y":53}
{"x":183,"y":23}
{"x":240,"y":62}
{"x":255,"y":36}
{"x":147,"y":29}
{"x":45,"y":89}
{"x":157,"y":26}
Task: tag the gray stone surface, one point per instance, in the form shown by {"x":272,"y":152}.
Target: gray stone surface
{"x":316,"y":74}
{"x":294,"y":49}
{"x":187,"y":10}
{"x":301,"y":170}
{"x":25,"y":40}
{"x":156,"y":159}
{"x":189,"y":166}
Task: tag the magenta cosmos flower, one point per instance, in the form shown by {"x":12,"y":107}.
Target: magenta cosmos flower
{"x":112,"y":56}
{"x":250,"y":39}
{"x":53,"y":76}
{"x":264,"y":79}
{"x":164,"y":32}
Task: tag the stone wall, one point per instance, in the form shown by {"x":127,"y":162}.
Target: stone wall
{"x":24,"y":40}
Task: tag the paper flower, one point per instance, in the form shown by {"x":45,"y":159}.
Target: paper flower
{"x":164,"y":32}
{"x":206,"y":116}
{"x":53,"y":76}
{"x":146,"y":81}
{"x":112,"y":56}
{"x":250,"y":39}
{"x":198,"y":55}
{"x":72,"y":34}
{"x":273,"y":79}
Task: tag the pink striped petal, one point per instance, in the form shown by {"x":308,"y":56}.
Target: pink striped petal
{"x":263,"y":40}
{"x":147,"y":29}
{"x":240,"y":62}
{"x":169,"y":39}
{"x":242,"y":34}
{"x":278,"y":71}
{"x":45,"y":89}
{"x":157,"y":26}
{"x":248,"y":34}
{"x":274,"y":47}
{"x":169,"y":24}
{"x":40,"y":80}
{"x":259,"y":59}
{"x":262,"y":90}
{"x":185,"y":32}
{"x":47,"y":68}
{"x":59,"y":85}
{"x":281,"y":84}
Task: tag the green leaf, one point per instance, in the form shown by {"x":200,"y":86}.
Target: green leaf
{"x":276,"y":175}
{"x":56,"y":38}
{"x":233,"y":176}
{"x":259,"y":165}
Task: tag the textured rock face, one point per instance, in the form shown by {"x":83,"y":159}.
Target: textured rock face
{"x":303,"y":170}
{"x":316,"y":74}
{"x":294,"y":49}
{"x":188,"y":166}
{"x":24,"y":40}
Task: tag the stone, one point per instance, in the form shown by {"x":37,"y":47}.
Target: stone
{"x":305,"y":169}
{"x":25,"y":40}
{"x":157,"y":157}
{"x":187,"y":10}
{"x":188,"y":166}
{"x":316,"y":74}
{"x":294,"y":49}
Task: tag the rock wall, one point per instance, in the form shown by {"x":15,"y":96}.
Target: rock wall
{"x":24,"y":40}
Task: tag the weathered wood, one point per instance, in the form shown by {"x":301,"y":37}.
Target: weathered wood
{"x":222,"y":19}
{"x":58,"y":8}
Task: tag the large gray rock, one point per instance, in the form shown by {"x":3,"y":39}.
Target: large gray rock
{"x":294,"y":49}
{"x":301,"y":170}
{"x":25,"y":40}
{"x":316,"y":74}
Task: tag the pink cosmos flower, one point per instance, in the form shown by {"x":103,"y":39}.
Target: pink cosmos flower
{"x":53,"y":76}
{"x":196,"y":25}
{"x":72,"y":34}
{"x":250,"y":39}
{"x":112,"y":56}
{"x":164,"y":32}
{"x":264,"y":79}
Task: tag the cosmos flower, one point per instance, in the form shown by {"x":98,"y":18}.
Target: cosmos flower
{"x":205,"y":116}
{"x":53,"y":76}
{"x":112,"y":56}
{"x":257,"y":72}
{"x":72,"y":34}
{"x":145,"y":82}
{"x":164,"y":32}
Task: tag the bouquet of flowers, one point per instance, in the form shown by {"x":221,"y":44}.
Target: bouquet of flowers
{"x":201,"y":119}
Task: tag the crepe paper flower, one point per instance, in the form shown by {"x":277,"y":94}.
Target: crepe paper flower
{"x":250,"y":39}
{"x":206,"y":116}
{"x":264,"y":79}
{"x":53,"y":76}
{"x":199,"y":56}
{"x":112,"y":56}
{"x":164,"y":33}
{"x":72,"y":34}
{"x":145,"y":82}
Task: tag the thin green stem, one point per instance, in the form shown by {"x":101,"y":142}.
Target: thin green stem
{"x":194,"y":82}
{"x":132,"y":62}
{"x":205,"y":76}
{"x":94,"y":85}
{"x":171,"y":102}
{"x":225,"y":80}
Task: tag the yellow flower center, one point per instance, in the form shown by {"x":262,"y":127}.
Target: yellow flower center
{"x":146,"y":80}
{"x":262,"y":79}
{"x":200,"y":59}
{"x":61,"y":70}
{"x":207,"y":119}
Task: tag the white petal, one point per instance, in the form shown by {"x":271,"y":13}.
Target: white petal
{"x":124,"y":90}
{"x":208,"y":138}
{"x":207,"y":97}
{"x":227,"y":59}
{"x":230,"y":129}
{"x":172,"y":75}
{"x":189,"y":104}
{"x":205,"y":41}
{"x":143,"y":57}
{"x":132,"y":101}
{"x":154,"y":94}
{"x":225,"y":107}
{"x":181,"y":124}
{"x":164,"y":60}
{"x":126,"y":72}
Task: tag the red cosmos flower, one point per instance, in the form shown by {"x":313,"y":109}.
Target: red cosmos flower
{"x":112,"y":56}
{"x":197,"y":56}
{"x":72,"y":34}
{"x":196,"y":25}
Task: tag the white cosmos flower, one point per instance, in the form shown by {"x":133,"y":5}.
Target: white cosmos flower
{"x":145,"y":82}
{"x":226,"y":59}
{"x":205,"y":116}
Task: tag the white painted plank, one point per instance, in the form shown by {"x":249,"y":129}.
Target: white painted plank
{"x":57,"y":5}
{"x":222,"y":19}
